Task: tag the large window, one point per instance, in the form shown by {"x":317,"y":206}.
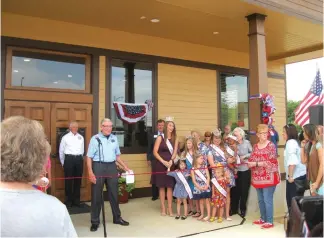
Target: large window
{"x":48,"y":70}
{"x":234,"y":101}
{"x":131,"y":82}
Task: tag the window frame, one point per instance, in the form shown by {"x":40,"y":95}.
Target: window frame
{"x":133,"y":149}
{"x":8,"y":81}
{"x":219,"y":91}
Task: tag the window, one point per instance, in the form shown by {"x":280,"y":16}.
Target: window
{"x":234,"y":101}
{"x":49,"y":70}
{"x":131,"y":82}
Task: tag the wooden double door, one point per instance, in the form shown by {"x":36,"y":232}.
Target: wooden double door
{"x":55,"y":118}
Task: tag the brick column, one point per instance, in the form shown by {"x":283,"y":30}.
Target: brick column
{"x":258,"y":81}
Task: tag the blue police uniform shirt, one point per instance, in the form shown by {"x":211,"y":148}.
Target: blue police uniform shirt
{"x":109,"y":149}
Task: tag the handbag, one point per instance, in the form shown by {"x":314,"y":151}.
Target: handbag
{"x":301,"y":185}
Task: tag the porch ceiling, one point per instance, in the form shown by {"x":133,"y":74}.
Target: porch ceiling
{"x":183,"y":20}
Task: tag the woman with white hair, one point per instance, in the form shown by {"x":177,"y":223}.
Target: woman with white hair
{"x":240,"y":193}
{"x":26,"y":211}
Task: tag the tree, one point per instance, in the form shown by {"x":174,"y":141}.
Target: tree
{"x":291,"y":107}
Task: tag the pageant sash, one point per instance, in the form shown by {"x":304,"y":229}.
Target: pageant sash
{"x":168,"y":145}
{"x":219,"y":188}
{"x":218,"y":151}
{"x":231,"y":152}
{"x":185,"y":183}
{"x":200,"y":175}
{"x":189,"y":158}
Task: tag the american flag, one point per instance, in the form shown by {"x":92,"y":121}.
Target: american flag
{"x":313,"y":97}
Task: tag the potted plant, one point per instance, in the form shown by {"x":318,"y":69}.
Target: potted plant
{"x":124,"y":190}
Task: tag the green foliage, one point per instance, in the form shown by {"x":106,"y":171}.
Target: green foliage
{"x":129,"y":187}
{"x":291,"y":107}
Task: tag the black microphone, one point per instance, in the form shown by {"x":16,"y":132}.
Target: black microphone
{"x":99,"y":141}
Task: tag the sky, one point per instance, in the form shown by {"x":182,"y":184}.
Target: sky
{"x":300,"y":77}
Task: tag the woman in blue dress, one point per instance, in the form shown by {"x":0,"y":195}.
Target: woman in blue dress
{"x":188,"y":154}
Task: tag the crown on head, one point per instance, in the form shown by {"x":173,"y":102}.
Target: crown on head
{"x":188,"y":137}
{"x":169,"y":118}
{"x":219,"y":165}
{"x":217,"y":132}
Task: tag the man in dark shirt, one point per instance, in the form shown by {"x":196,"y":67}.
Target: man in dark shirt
{"x":151,"y":159}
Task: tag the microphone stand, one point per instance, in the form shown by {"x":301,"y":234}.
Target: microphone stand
{"x":102,"y":197}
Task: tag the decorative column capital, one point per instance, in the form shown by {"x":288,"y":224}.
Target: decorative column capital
{"x":256,"y":16}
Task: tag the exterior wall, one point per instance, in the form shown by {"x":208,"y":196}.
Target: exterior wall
{"x":190,"y":96}
{"x":102,"y":88}
{"x":277,"y":88}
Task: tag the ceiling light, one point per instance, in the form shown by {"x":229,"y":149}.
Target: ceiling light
{"x":26,"y":60}
{"x":215,"y":32}
{"x":16,"y":71}
{"x":69,"y":75}
{"x":155,"y":20}
{"x":143,"y":17}
{"x":55,"y":82}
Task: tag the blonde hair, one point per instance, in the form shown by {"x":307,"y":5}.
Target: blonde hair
{"x":194,"y":146}
{"x":24,"y":150}
{"x":262,"y":127}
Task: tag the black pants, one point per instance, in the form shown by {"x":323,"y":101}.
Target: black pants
{"x":291,"y":191}
{"x":240,"y":193}
{"x":104,"y":169}
{"x":155,"y":190}
{"x":73,"y":167}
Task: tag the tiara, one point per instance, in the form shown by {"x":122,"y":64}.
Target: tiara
{"x":189,"y":137}
{"x":217,"y":132}
{"x":219,"y":165}
{"x":169,"y":118}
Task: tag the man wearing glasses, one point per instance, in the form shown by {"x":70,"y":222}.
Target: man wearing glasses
{"x":103,"y":152}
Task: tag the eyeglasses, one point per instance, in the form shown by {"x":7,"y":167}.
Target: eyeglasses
{"x":105,"y":126}
{"x":263,"y":133}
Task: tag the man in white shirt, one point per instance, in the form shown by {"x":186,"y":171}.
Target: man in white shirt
{"x":71,"y":156}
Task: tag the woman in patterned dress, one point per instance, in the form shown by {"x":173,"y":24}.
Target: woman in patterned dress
{"x":165,"y":151}
{"x":180,"y":191}
{"x":217,"y":154}
{"x":201,"y":180}
{"x":203,"y":149}
{"x":190,"y":151}
{"x":265,"y":175}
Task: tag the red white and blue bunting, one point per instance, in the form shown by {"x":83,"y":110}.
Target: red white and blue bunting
{"x":131,"y":113}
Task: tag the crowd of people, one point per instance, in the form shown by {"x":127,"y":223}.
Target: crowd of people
{"x":212,"y":176}
{"x":217,"y":172}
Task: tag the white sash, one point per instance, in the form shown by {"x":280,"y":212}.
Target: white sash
{"x":218,"y":151}
{"x":168,"y":145}
{"x":219,"y":188}
{"x":231,"y":152}
{"x":185,"y":183}
{"x":189,"y":158}
{"x":200,"y":175}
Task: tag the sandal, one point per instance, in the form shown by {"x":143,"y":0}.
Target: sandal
{"x":177,"y":217}
{"x":183,"y":217}
{"x":212,"y":219}
{"x":197,"y":214}
{"x":200,"y":218}
{"x":220,"y":220}
{"x":206,"y":219}
{"x":190,"y":213}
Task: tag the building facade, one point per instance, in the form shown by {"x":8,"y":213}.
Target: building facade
{"x":60,"y":64}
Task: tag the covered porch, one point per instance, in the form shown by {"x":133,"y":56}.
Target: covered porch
{"x":146,"y":221}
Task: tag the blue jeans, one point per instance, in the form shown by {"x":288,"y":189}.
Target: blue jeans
{"x":265,"y":199}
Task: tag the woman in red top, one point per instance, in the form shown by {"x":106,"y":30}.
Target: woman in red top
{"x":265,"y":175}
